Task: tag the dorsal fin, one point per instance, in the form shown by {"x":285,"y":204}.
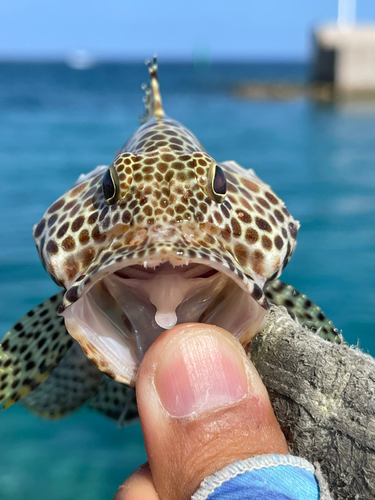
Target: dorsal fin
{"x":152,"y":99}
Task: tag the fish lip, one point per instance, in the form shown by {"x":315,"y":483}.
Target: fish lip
{"x":164,"y":252}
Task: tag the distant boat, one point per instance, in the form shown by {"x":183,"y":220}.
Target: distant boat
{"x":80,"y":59}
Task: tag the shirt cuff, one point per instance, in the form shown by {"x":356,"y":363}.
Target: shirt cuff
{"x":269,"y":477}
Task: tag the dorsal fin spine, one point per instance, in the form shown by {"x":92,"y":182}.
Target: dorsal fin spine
{"x":152,"y":99}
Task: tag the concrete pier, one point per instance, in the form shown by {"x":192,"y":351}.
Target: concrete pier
{"x":344,"y":60}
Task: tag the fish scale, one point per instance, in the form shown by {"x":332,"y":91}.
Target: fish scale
{"x":165,"y":215}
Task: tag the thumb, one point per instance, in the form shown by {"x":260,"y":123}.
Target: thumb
{"x":202,"y":406}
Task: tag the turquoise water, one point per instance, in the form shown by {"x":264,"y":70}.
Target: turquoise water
{"x":56,"y":123}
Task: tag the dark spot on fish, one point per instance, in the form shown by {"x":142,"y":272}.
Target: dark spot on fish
{"x":244,"y":216}
{"x":236,"y":228}
{"x":270,"y":197}
{"x":126,"y":217}
{"x":78,"y":223}
{"x":251,"y":185}
{"x":93,"y":218}
{"x":75,"y":210}
{"x":84,"y":237}
{"x":266,"y":242}
{"x":52,"y":248}
{"x":68,"y":244}
{"x":278,"y":242}
{"x":52,"y":220}
{"x":106,"y":256}
{"x":263,"y":202}
{"x":87,"y":255}
{"x":70,"y":205}
{"x":265,"y":304}
{"x":293,"y":230}
{"x":40,"y":228}
{"x":257,"y":292}
{"x":103,"y":213}
{"x":251,"y":236}
{"x":62,"y":230}
{"x":41,"y":343}
{"x":279,"y":216}
{"x":5,"y":345}
{"x":241,"y":253}
{"x":288,"y":303}
{"x":240,"y":274}
{"x":72,"y":294}
{"x":56,"y":206}
{"x":263,"y":224}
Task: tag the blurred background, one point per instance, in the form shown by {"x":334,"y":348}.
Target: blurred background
{"x":246,"y":77}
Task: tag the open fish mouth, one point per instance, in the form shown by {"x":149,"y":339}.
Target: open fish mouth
{"x":117,"y":312}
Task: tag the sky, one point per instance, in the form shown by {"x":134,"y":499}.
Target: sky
{"x":174,"y":29}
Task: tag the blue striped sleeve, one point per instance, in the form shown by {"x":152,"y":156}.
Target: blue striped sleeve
{"x":266,"y":477}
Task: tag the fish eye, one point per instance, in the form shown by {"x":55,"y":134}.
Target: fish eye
{"x":110,"y":186}
{"x":217,"y":183}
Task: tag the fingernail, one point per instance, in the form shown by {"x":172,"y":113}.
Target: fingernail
{"x":198,"y":372}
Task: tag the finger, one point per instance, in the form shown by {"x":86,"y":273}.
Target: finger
{"x":202,"y":406}
{"x":138,"y":486}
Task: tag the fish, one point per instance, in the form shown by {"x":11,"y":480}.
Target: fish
{"x":164,"y":235}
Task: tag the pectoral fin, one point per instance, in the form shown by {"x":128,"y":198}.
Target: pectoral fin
{"x":116,"y":401}
{"x":31,"y":350}
{"x":301,"y":307}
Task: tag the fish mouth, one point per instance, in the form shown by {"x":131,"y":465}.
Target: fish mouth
{"x":119,"y":310}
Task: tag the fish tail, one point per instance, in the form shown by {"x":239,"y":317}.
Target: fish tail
{"x":152,"y":99}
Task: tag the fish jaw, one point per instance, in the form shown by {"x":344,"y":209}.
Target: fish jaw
{"x":119,"y":311}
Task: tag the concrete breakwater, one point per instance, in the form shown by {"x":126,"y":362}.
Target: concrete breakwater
{"x":342,"y":68}
{"x":285,"y":91}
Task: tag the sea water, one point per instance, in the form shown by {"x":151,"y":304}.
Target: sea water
{"x":57,"y":122}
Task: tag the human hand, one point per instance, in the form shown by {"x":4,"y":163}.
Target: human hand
{"x":202,"y":406}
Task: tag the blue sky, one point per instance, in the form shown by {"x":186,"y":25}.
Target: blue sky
{"x":174,"y":29}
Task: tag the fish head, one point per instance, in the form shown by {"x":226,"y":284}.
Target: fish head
{"x":159,"y":238}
